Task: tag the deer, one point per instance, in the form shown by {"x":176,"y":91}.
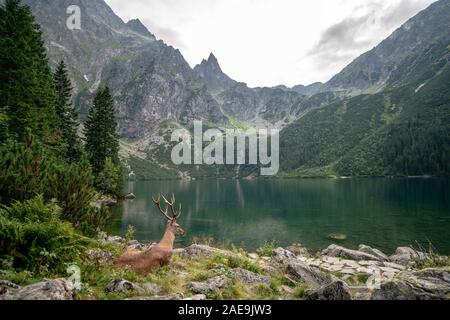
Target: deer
{"x":159,"y":255}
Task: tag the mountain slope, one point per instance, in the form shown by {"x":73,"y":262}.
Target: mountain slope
{"x":151,"y":80}
{"x":404,"y":129}
{"x":411,"y":55}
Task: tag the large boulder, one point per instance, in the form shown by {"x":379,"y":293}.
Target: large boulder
{"x":341,"y":252}
{"x":250,"y":278}
{"x":374,"y":252}
{"x":336,"y":290}
{"x":123,"y":287}
{"x":405,"y":255}
{"x":299,"y":250}
{"x":58,"y":289}
{"x":428,"y":284}
{"x":310,"y":275}
{"x":209,"y":286}
{"x":7,"y":289}
{"x":199,"y":251}
{"x":282,"y":256}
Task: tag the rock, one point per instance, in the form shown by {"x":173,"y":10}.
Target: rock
{"x":129,"y":196}
{"x":394,"y":266}
{"x":198,"y":297}
{"x":209,"y":286}
{"x":136,"y":245}
{"x":336,"y":290}
{"x":299,"y":251}
{"x":253,"y":256}
{"x":341,"y":252}
{"x":171,"y":297}
{"x":198,"y":251}
{"x":123,"y":287}
{"x":428,"y":284}
{"x":7,"y":289}
{"x":58,"y":289}
{"x":374,"y":252}
{"x":281,"y":255}
{"x":99,"y":256}
{"x":312,"y":276}
{"x":112,"y":239}
{"x":337,"y":236}
{"x":110,"y":202}
{"x":250,"y":278}
{"x":405,"y":255}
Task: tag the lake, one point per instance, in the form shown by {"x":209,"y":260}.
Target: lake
{"x":384,"y":213}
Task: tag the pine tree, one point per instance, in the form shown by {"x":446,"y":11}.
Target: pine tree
{"x":102,"y":141}
{"x":67,"y":116}
{"x":27,"y":95}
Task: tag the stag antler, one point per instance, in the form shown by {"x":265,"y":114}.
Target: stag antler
{"x":171,"y":205}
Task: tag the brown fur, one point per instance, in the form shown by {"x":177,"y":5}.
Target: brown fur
{"x":154,"y":258}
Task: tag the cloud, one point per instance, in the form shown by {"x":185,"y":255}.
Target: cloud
{"x":169,"y":35}
{"x":359,"y":32}
{"x":272,"y":42}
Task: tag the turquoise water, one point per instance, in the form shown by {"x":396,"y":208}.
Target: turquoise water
{"x":385,"y":213}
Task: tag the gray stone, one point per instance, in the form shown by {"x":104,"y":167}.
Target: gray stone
{"x":394,"y":266}
{"x":336,"y":290}
{"x":209,"y":286}
{"x":374,"y":252}
{"x":429,"y":284}
{"x":310,"y":275}
{"x":198,"y":251}
{"x":253,"y":256}
{"x":341,"y":252}
{"x":281,"y":255}
{"x":129,"y":196}
{"x":113,"y":239}
{"x":136,"y":245}
{"x":198,"y":297}
{"x":123,"y":287}
{"x":7,"y":289}
{"x":299,"y":251}
{"x":405,"y":255}
{"x":100,"y":256}
{"x":250,"y":278}
{"x":58,"y":289}
{"x":171,"y":297}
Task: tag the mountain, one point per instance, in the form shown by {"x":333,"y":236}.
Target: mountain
{"x":212,"y":75}
{"x":260,"y":107}
{"x":411,"y":54}
{"x":385,"y":114}
{"x":402,"y":129}
{"x":308,"y":90}
{"x":151,"y":81}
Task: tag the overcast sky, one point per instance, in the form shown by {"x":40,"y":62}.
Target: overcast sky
{"x":272,"y":42}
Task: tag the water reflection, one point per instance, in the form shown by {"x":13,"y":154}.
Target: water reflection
{"x":380,"y":212}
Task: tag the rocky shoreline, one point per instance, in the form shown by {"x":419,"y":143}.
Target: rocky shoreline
{"x":203,"y":272}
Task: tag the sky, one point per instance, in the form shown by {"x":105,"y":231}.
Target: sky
{"x":272,"y":42}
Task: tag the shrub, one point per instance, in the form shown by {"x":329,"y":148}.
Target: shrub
{"x":36,"y":239}
{"x":30,"y":168}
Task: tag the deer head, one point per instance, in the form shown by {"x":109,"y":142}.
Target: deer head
{"x":172,"y":224}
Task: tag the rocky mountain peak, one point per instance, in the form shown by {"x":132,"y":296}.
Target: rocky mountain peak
{"x":212,"y":75}
{"x":137,"y":26}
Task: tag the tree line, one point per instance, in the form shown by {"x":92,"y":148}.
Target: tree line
{"x":46,"y":169}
